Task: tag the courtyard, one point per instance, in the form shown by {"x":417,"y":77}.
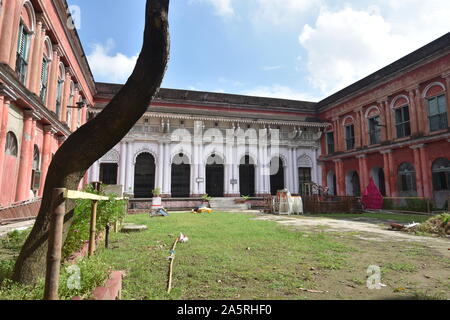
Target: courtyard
{"x":244,"y":256}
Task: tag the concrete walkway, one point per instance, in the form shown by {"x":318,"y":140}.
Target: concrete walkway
{"x":4,"y":230}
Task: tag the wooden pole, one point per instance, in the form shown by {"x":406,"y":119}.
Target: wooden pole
{"x":107,"y":236}
{"x":55,"y":245}
{"x":172,"y":258}
{"x":93,"y":226}
{"x":93,"y":223}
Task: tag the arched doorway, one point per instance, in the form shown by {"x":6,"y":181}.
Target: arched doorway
{"x":181,"y":176}
{"x":377,"y":174}
{"x":441,"y":181}
{"x":247,"y":177}
{"x":215,"y":176}
{"x":144,"y":176}
{"x":277,"y":178}
{"x":352,"y":184}
{"x":331,"y":183}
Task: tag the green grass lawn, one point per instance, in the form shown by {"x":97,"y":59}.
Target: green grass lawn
{"x":229,"y":256}
{"x":400,"y":218}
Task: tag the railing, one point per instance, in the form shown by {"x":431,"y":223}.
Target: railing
{"x":59,"y":197}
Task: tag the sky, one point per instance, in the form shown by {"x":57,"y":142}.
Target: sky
{"x":291,"y":49}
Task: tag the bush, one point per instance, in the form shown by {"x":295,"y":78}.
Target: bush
{"x":439,"y":225}
{"x":93,"y":273}
{"x":416,"y":205}
{"x":107,"y":212}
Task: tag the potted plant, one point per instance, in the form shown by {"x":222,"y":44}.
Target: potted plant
{"x":241,"y":200}
{"x":156,"y":201}
{"x":205,"y":199}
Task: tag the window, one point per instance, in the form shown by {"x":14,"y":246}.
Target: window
{"x":44,"y":79}
{"x":407,"y":178}
{"x":330,"y":142}
{"x":350,"y":136}
{"x":402,"y":122}
{"x":59,"y":96}
{"x":437,"y":113}
{"x":22,"y":54}
{"x":441,"y":174}
{"x":36,"y":172}
{"x":374,"y":130}
{"x":11,"y":148}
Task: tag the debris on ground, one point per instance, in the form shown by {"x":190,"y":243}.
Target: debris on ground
{"x":438,"y":225}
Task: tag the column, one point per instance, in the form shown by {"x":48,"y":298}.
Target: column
{"x":9,"y":13}
{"x":364,"y":130}
{"x":35,"y":60}
{"x":358,"y":130}
{"x":26,"y":157}
{"x":166,"y":171}
{"x":363,"y":172}
{"x":392,"y":177}
{"x":74,"y":120}
{"x":4,"y":113}
{"x":65,"y":97}
{"x":383,"y":119}
{"x":295,"y":166}
{"x":426,"y":172}
{"x":160,"y":168}
{"x":386,"y":170}
{"x":129,"y":175}
{"x":418,"y":167}
{"x":447,"y":93}
{"x":122,"y":164}
{"x":340,"y":177}
{"x":291,"y":170}
{"x":46,"y":155}
{"x":52,"y":81}
{"x":14,"y":35}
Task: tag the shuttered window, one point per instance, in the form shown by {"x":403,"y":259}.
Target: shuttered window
{"x":59,"y":97}
{"x":44,"y":79}
{"x":437,"y":113}
{"x":22,"y":54}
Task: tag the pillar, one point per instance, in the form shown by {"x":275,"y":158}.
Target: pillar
{"x":340,"y":177}
{"x":392,"y":177}
{"x":426,"y":172}
{"x":418,"y":167}
{"x":46,"y":155}
{"x":123,"y":165}
{"x":166,"y":171}
{"x":26,"y":157}
{"x":65,"y":97}
{"x":387,"y":173}
{"x":129,"y":174}
{"x":447,"y":93}
{"x":52,"y":81}
{"x":14,"y":35}
{"x":6,"y":36}
{"x":35,"y":60}
{"x":296,"y":176}
{"x":4,"y":114}
{"x":363,"y":172}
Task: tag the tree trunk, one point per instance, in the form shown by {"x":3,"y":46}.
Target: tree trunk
{"x":98,"y":136}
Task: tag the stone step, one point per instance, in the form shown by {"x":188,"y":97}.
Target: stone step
{"x":227,"y":204}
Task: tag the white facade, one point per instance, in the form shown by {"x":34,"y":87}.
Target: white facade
{"x":203,"y":141}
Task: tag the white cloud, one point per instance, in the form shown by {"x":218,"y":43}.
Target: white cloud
{"x":279,"y":91}
{"x":271,"y":68}
{"x":346,"y":45}
{"x":222,"y":8}
{"x":279,"y":12}
{"x":110,"y":67}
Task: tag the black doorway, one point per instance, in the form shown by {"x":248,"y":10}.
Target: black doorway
{"x":144,"y":176}
{"x":277,"y":180}
{"x":247,"y":178}
{"x":108,"y":173}
{"x":181,"y":180}
{"x":215,"y":180}
{"x":304,"y":177}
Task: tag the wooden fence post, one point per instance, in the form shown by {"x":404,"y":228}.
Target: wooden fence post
{"x":55,"y":245}
{"x":93,"y":223}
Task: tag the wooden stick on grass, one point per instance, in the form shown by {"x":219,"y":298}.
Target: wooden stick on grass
{"x":171,"y":258}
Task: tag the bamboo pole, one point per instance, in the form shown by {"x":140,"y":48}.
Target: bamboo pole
{"x":93,"y":226}
{"x":107,"y":236}
{"x":171,"y":258}
{"x":55,"y":245}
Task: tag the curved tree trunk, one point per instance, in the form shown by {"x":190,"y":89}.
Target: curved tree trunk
{"x":98,"y":136}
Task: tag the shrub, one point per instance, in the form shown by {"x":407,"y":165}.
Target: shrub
{"x":107,"y":212}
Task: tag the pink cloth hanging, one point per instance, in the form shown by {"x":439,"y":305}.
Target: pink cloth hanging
{"x":372,"y":197}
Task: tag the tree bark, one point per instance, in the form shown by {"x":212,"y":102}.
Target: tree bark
{"x":98,"y":136}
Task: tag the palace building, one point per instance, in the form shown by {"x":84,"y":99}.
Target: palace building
{"x":392,"y":126}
